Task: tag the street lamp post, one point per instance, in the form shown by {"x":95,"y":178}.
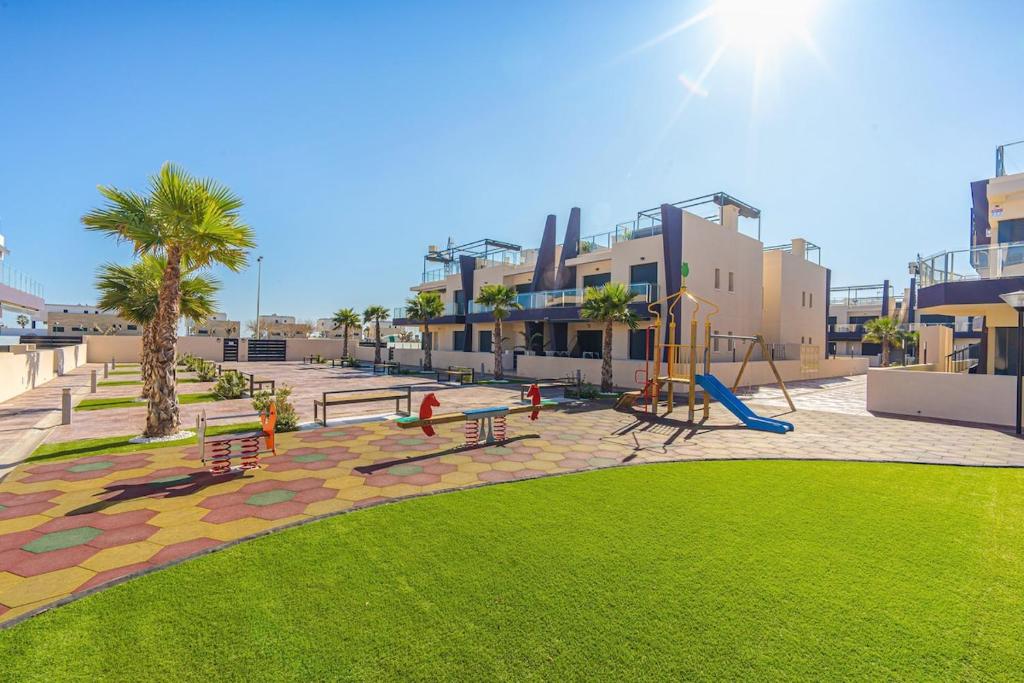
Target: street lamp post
{"x":1016,"y":301}
{"x":259,"y":278}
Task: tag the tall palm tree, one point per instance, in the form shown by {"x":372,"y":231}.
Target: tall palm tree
{"x":424,"y":306}
{"x":133,"y":291}
{"x":502,"y":301}
{"x":374,"y":314}
{"x":609,"y":305}
{"x":195,"y":223}
{"x":346,"y":319}
{"x":885,"y":331}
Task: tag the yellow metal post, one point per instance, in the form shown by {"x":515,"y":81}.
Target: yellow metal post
{"x":707,"y":366}
{"x":691,"y":394}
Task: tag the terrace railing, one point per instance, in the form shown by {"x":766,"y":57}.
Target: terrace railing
{"x":560,"y":298}
{"x":983,"y":262}
{"x":449,"y":309}
{"x":15,"y":279}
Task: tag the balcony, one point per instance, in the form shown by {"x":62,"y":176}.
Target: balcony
{"x":453,"y":313}
{"x":569,"y":299}
{"x":984,"y":262}
{"x":970,"y":277}
{"x":862,"y":295}
{"x":19,"y":292}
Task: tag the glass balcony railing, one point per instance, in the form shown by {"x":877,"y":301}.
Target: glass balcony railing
{"x":561,"y":298}
{"x":18,"y":280}
{"x":621,"y":233}
{"x":858,"y":328}
{"x":984,"y":262}
{"x":449,"y":309}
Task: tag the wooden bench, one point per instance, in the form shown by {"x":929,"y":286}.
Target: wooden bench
{"x":340,"y":363}
{"x":460,"y":374}
{"x":565,"y":382}
{"x":386,"y":368}
{"x":349,"y":396}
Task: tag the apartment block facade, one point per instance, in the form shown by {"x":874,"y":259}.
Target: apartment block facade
{"x":777,"y":292}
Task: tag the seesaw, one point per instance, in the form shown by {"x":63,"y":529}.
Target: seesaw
{"x":483,"y":426}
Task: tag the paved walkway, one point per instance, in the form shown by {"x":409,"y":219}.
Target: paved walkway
{"x":306,"y":381}
{"x":70,"y":526}
{"x":28,"y":418}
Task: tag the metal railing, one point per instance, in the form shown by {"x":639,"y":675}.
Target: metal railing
{"x":12,"y":277}
{"x":983,"y":262}
{"x":560,"y":298}
{"x":861,"y":295}
{"x":449,"y":309}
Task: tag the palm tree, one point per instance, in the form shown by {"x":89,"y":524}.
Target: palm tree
{"x":424,"y":306}
{"x":609,"y":305}
{"x":374,"y":314}
{"x":502,"y":301}
{"x":22,"y":320}
{"x":194,"y":223}
{"x":133,"y":291}
{"x":345,"y":318}
{"x":885,"y":331}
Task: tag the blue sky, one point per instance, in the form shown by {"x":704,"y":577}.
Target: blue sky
{"x":360,"y":133}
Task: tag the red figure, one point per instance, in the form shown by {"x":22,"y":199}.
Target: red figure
{"x":534,"y":393}
{"x":426,"y":410}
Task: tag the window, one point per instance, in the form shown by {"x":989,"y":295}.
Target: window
{"x":58,"y":329}
{"x":597,"y":280}
{"x":644,"y":273}
{"x":524,"y":288}
{"x":802,"y":341}
{"x":485,"y":341}
{"x":731,"y":288}
{"x":459,"y":297}
{"x":730,"y":347}
{"x":133,"y":327}
{"x":810,"y":340}
{"x":459,"y":340}
{"x":637,"y":340}
{"x":810,"y":300}
{"x":714,"y":342}
{"x":718,"y":278}
{"x":803,"y":299}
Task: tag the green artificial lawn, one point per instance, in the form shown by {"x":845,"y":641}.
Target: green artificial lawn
{"x":134,"y":382}
{"x":134,"y":401}
{"x":120,"y":444}
{"x":123,"y":372}
{"x":753,"y":570}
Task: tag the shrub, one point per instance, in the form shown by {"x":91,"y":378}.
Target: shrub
{"x":287,"y":418}
{"x":229,"y":385}
{"x":587,"y":391}
{"x":206,"y":372}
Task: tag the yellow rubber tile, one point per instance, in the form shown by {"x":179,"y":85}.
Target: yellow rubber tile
{"x":10,"y":526}
{"x":121,"y":556}
{"x":48,"y":587}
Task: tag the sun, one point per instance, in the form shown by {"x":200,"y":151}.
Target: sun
{"x":763,"y":25}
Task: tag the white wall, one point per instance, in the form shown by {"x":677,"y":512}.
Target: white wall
{"x":628,"y":373}
{"x":986,"y":399}
{"x":22,"y":369}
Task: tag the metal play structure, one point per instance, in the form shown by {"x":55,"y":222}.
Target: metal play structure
{"x":249,"y":445}
{"x":483,"y":426}
{"x":671,"y":363}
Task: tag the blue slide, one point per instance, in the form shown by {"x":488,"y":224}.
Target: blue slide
{"x":721,"y":393}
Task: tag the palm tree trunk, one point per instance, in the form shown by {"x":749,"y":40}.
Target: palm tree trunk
{"x":885,"y":353}
{"x":427,"y":360}
{"x":162,"y":418}
{"x":499,"y":372}
{"x":344,"y":342}
{"x":146,"y":363}
{"x":376,"y":339}
{"x":606,"y":358}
